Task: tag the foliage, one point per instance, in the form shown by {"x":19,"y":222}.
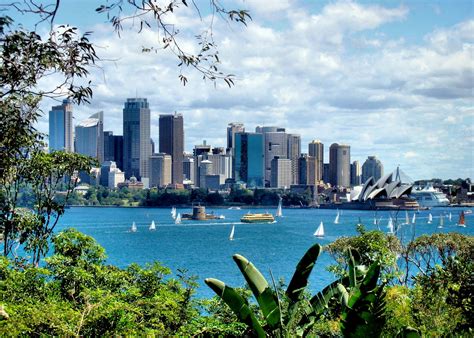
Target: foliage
{"x":77,"y":294}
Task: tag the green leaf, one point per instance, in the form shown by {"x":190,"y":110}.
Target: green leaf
{"x":265,"y":296}
{"x":237,"y":303}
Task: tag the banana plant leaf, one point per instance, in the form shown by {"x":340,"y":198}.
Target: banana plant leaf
{"x":265,"y":296}
{"x":237,"y":303}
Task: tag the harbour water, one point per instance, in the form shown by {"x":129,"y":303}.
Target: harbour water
{"x":204,"y":248}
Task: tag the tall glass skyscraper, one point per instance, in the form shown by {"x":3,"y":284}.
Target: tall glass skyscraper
{"x":61,"y":135}
{"x":90,"y":137}
{"x":136,"y":138}
{"x":340,"y":165}
{"x":249,"y":159}
{"x":171,"y":140}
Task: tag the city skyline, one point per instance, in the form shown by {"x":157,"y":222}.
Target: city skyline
{"x":392,"y":80}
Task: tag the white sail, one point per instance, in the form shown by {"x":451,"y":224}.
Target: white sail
{"x":231,"y":236}
{"x":152,"y":226}
{"x":375,"y":220}
{"x":413,"y":220}
{"x":336,"y":220}
{"x":441,"y":222}
{"x":279,"y":212}
{"x":390,"y":225}
{"x":320,"y":230}
{"x":178,"y":219}
{"x":134,"y":227}
{"x":450,"y":217}
{"x":173,"y":212}
{"x":407,"y":219}
{"x":430,"y":218}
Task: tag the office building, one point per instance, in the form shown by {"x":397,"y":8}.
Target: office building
{"x":90,"y":137}
{"x":221,"y":164}
{"x":171,"y":141}
{"x":276,"y":145}
{"x":205,"y":168}
{"x":303,"y":169}
{"x":372,"y":167}
{"x":105,"y":169}
{"x":188,"y":169}
{"x":316,"y":150}
{"x":281,"y":175}
{"x":232,"y":129}
{"x":326,"y":172}
{"x":136,"y":138}
{"x":356,"y":174}
{"x":116,"y":177}
{"x":61,"y":135}
{"x":249,"y":159}
{"x":340,"y":165}
{"x":294,"y":151}
{"x":160,"y":170}
{"x":113,"y":148}
{"x":202,"y":149}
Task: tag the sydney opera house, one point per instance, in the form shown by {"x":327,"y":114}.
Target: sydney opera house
{"x":388,"y":193}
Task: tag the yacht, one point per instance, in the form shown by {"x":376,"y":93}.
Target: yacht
{"x":258,"y":218}
{"x":430,"y":197}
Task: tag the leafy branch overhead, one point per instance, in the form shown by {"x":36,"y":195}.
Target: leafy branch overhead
{"x":151,"y":15}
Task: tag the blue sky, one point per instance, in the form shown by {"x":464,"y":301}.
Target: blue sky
{"x":391,"y":78}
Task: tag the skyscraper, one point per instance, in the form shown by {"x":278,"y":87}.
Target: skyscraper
{"x":136,"y":138}
{"x":160,"y":170}
{"x":281,"y":173}
{"x":113,"y":148}
{"x":232,"y":129}
{"x":90,"y":137}
{"x":275,"y":144}
{"x":61,"y":135}
{"x":356,"y":173}
{"x":294,"y":152}
{"x":171,"y":141}
{"x":372,"y":167}
{"x":316,"y":150}
{"x":249,"y":159}
{"x":340,"y":165}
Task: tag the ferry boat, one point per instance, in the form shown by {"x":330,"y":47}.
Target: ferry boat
{"x":258,"y":218}
{"x":430,"y":197}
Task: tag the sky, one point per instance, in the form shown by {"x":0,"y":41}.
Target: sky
{"x":390,"y":78}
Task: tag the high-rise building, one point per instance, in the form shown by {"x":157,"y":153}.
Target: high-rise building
{"x":113,"y":148}
{"x":61,"y":135}
{"x":232,"y":129}
{"x":372,"y":167}
{"x":90,"y":137}
{"x":201,"y":149}
{"x":160,"y":170}
{"x":105,"y":169}
{"x":171,"y":141}
{"x":340,"y":165}
{"x":356,"y":177}
{"x":326,"y":172}
{"x":116,"y":176}
{"x":294,"y":152}
{"x":276,"y":144}
{"x":136,"y":138}
{"x":281,"y":173}
{"x":249,"y":159}
{"x":316,"y":150}
{"x":303,"y":169}
{"x":221,"y":164}
{"x":188,"y":168}
{"x":205,"y":169}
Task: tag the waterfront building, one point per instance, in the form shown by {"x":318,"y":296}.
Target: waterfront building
{"x":188,"y":168}
{"x":116,"y":176}
{"x":105,"y":169}
{"x":214,"y":182}
{"x":281,"y":176}
{"x":294,"y":151}
{"x":90,"y":137}
{"x":316,"y":150}
{"x":136,"y":138}
{"x":372,"y":167}
{"x":339,"y":165}
{"x":113,"y":148}
{"x":205,"y":168}
{"x":356,"y":175}
{"x":61,"y":135}
{"x":171,"y":140}
{"x":160,"y":170}
{"x":249,"y":159}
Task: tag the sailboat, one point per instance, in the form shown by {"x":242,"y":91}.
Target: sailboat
{"x":173,"y":212}
{"x":320,"y":230}
{"x":461,"y":221}
{"x":375,"y":220}
{"x":152,"y":226}
{"x":450,"y":217}
{"x":178,"y":219}
{"x":413,"y":220}
{"x":279,"y":212}
{"x":231,"y":236}
{"x":390,"y":226}
{"x":336,"y":220}
{"x":133,"y":228}
{"x":430,"y":218}
{"x":407,"y":218}
{"x":441,"y":222}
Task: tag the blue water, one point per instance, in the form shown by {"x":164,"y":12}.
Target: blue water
{"x":203,"y":248}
